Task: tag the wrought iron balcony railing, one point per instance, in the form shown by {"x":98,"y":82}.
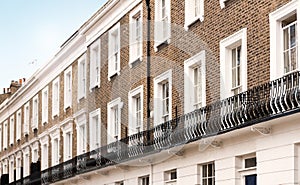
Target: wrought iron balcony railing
{"x":264,"y":102}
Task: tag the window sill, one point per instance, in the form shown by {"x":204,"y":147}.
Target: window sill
{"x":247,"y":169}
{"x":135,"y":62}
{"x":113,"y":74}
{"x":187,"y":25}
{"x":162,"y":44}
{"x":80,"y":98}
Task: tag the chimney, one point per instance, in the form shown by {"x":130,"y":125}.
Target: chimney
{"x":14,"y":86}
{"x":20,"y":82}
{"x":3,"y":90}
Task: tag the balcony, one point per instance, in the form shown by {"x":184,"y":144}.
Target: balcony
{"x":268,"y":101}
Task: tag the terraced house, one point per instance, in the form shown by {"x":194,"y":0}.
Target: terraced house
{"x":206,"y":92}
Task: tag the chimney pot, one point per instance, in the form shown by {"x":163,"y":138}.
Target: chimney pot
{"x":20,"y":81}
{"x":3,"y":90}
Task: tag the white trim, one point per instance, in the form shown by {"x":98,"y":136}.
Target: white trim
{"x":35,"y":115}
{"x":5,"y":135}
{"x":44,"y":141}
{"x":35,"y":148}
{"x":11,"y":130}
{"x":114,"y":32}
{"x":68,"y":94}
{"x":189,"y":18}
{"x":196,"y":60}
{"x":275,"y":18}
{"x":11,"y":168}
{"x":166,"y":76}
{"x":18,"y":124}
{"x":116,"y":103}
{"x":132,"y":43}
{"x":45,"y":115}
{"x":81,"y":88}
{"x":94,"y":143}
{"x":237,"y":39}
{"x":26,"y":118}
{"x":55,"y":135}
{"x":222,"y":3}
{"x":95,"y":62}
{"x":55,"y":110}
{"x":81,"y":121}
{"x":139,"y":91}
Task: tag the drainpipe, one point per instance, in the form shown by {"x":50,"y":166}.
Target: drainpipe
{"x":148,"y":68}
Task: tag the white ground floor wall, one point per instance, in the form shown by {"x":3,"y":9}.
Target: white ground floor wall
{"x":277,"y":154}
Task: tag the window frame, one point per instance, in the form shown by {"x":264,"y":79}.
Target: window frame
{"x":45,"y":105}
{"x":158,"y":81}
{"x":189,"y":18}
{"x":5,"y":135}
{"x":141,"y":180}
{"x":55,"y":97}
{"x":18,"y":165}
{"x":55,"y":151}
{"x":134,"y":43}
{"x":1,"y":140}
{"x":44,"y":156}
{"x":68,"y":84}
{"x":198,"y":60}
{"x":11,"y":168}
{"x":94,"y":130}
{"x":19,"y":124}
{"x":132,"y":96}
{"x":81,"y":121}
{"x":95,"y":62}
{"x":113,"y":40}
{"x":276,"y":39}
{"x":26,"y":162}
{"x":82,"y":77}
{"x":239,"y":38}
{"x":207,"y":177}
{"x":26,"y":118}
{"x":168,"y":176}
{"x":67,"y":129}
{"x":35,"y":152}
{"x":111,"y":106}
{"x":11,"y":130}
{"x":35,"y":112}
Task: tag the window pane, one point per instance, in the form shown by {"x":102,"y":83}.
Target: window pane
{"x":294,"y":58}
{"x":204,"y":171}
{"x":233,"y":58}
{"x":293,"y":35}
{"x":234,"y":78}
{"x":286,"y":62}
{"x":210,"y":169}
{"x":285,"y":39}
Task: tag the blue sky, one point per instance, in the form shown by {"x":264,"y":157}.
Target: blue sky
{"x":33,"y":30}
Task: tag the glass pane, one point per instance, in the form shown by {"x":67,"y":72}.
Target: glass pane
{"x":210,"y":169}
{"x":286,"y":62}
{"x":285,"y":39}
{"x":204,"y":171}
{"x":294,"y":58}
{"x":234,"y":78}
{"x":293,"y":35}
{"x":238,"y":76}
{"x":196,"y":76}
{"x":239,"y":55}
{"x":204,"y":182}
{"x":233,"y":58}
{"x":210,"y":181}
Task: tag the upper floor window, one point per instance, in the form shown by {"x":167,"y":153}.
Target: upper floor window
{"x":95,"y":129}
{"x":55,"y":150}
{"x":194,"y":82}
{"x":55,"y":97}
{"x":5,"y":135}
{"x":144,"y":180}
{"x":95,"y":61}
{"x":162,"y":26}
{"x":68,"y":88}
{"x":26,"y":119}
{"x":35,"y":112}
{"x":81,"y":77}
{"x":35,"y":152}
{"x":233,"y":56}
{"x":284,"y":47}
{"x":194,"y":10}
{"x":114,"y":51}
{"x":136,"y":34}
{"x":208,"y":174}
{"x":114,"y":120}
{"x":45,"y":105}
{"x":81,"y":134}
{"x":68,"y":145}
{"x":26,"y":165}
{"x":135,"y":105}
{"x":163,"y":97}
{"x":11,"y":130}
{"x":44,"y":161}
{"x":170,"y":177}
{"x":18,"y":124}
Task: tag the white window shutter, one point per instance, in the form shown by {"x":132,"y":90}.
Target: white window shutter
{"x":189,"y":12}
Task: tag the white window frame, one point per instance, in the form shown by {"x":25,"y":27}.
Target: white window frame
{"x":35,"y":112}
{"x":68,"y":88}
{"x":95,"y":64}
{"x":81,"y":122}
{"x":26,"y":119}
{"x":95,"y":139}
{"x":190,"y":12}
{"x":132,"y":118}
{"x":5,"y":166}
{"x":276,"y":38}
{"x":198,"y":60}
{"x":136,"y":44}
{"x":1,"y":134}
{"x":222,"y":3}
{"x":18,"y":165}
{"x":55,"y":97}
{"x":246,"y":171}
{"x":5,"y":134}
{"x":159,"y":37}
{"x":35,"y":151}
{"x":11,"y":168}
{"x":55,"y":151}
{"x":26,"y":161}
{"x":114,"y":39}
{"x":18,"y":124}
{"x":44,"y":154}
{"x":200,"y":168}
{"x":141,"y":180}
{"x":158,"y":81}
{"x":82,"y":77}
{"x":239,"y":38}
{"x":11,"y":130}
{"x":112,"y":107}
{"x":45,"y":105}
{"x":167,"y":177}
{"x":67,"y":129}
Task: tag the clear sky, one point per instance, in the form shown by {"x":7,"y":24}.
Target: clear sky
{"x":32,"y":31}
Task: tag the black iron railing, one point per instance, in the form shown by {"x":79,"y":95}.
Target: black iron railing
{"x":261,"y":103}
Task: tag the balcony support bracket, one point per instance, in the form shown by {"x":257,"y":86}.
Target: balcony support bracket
{"x":261,"y":130}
